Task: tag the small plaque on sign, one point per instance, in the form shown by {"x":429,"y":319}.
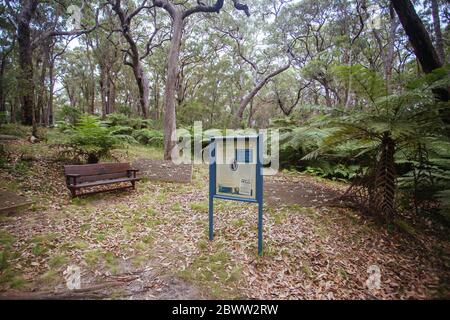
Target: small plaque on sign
{"x":245,"y":187}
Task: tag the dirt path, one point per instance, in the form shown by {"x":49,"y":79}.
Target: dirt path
{"x":300,"y":190}
{"x":161,"y":170}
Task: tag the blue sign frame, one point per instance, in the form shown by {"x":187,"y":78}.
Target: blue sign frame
{"x":259,"y":184}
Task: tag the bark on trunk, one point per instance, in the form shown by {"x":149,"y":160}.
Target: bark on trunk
{"x":142,"y":83}
{"x":111,"y":96}
{"x":385,"y":179}
{"x":26,"y":60}
{"x":14,"y":104}
{"x":91,"y":107}
{"x":51,"y":75}
{"x":2,"y":95}
{"x":328,"y":101}
{"x":40,"y":112}
{"x":437,"y":30}
{"x":156,"y":98}
{"x":172,"y":71}
{"x":104,"y":92}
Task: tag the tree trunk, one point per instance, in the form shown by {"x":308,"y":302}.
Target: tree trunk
{"x":91,"y":108}
{"x":385,"y":179}
{"x":252,"y":112}
{"x":348,"y":93}
{"x":111,"y":95}
{"x":40,"y":112}
{"x":2,"y":95}
{"x":14,"y":104}
{"x":172,"y":71}
{"x":103,"y":92}
{"x":139,"y":75}
{"x":142,"y":82}
{"x":437,"y":30}
{"x":328,"y":100}
{"x":26,"y":61}
{"x":51,"y":74}
{"x":156,"y":97}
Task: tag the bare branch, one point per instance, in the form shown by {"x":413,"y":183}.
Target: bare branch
{"x":51,"y":32}
{"x":287,"y":110}
{"x":215,"y":8}
{"x":166,"y":5}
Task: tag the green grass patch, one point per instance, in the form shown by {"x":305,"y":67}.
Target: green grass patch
{"x":142,"y":151}
{"x":6,"y":239}
{"x":140,"y":246}
{"x":148,"y":239}
{"x":321,"y":231}
{"x":111,"y":262}
{"x":151,"y":212}
{"x":138,"y":261}
{"x":176,"y":207}
{"x":39,"y":249}
{"x":12,"y":278}
{"x":93,"y":257}
{"x":85,"y":227}
{"x":279,"y":216}
{"x":57,"y":261}
{"x":100,"y":236}
{"x":202,"y":244}
{"x":79,"y":244}
{"x":406,"y":227}
{"x":214,"y":271}
{"x":237,"y":223}
{"x":50,"y":277}
{"x":42,"y":243}
{"x":79,"y":201}
{"x":13,"y":186}
{"x":22,"y":167}
{"x":162,"y":197}
{"x":152,"y":223}
{"x":200,"y":206}
{"x":17,"y":130}
{"x":306,"y":269}
{"x":129,"y":227}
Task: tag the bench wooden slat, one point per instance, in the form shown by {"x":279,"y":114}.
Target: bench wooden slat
{"x":100,"y":177}
{"x":96,"y":169}
{"x":102,"y":182}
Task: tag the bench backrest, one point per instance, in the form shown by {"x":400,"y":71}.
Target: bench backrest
{"x":98,"y":171}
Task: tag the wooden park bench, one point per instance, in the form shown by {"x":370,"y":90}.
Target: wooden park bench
{"x":92,"y":175}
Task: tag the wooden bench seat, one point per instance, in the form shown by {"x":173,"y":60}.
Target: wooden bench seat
{"x":91,"y":175}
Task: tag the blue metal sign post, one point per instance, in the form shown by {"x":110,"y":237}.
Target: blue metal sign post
{"x":244,"y":157}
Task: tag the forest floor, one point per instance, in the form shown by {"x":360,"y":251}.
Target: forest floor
{"x":152,"y":243}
